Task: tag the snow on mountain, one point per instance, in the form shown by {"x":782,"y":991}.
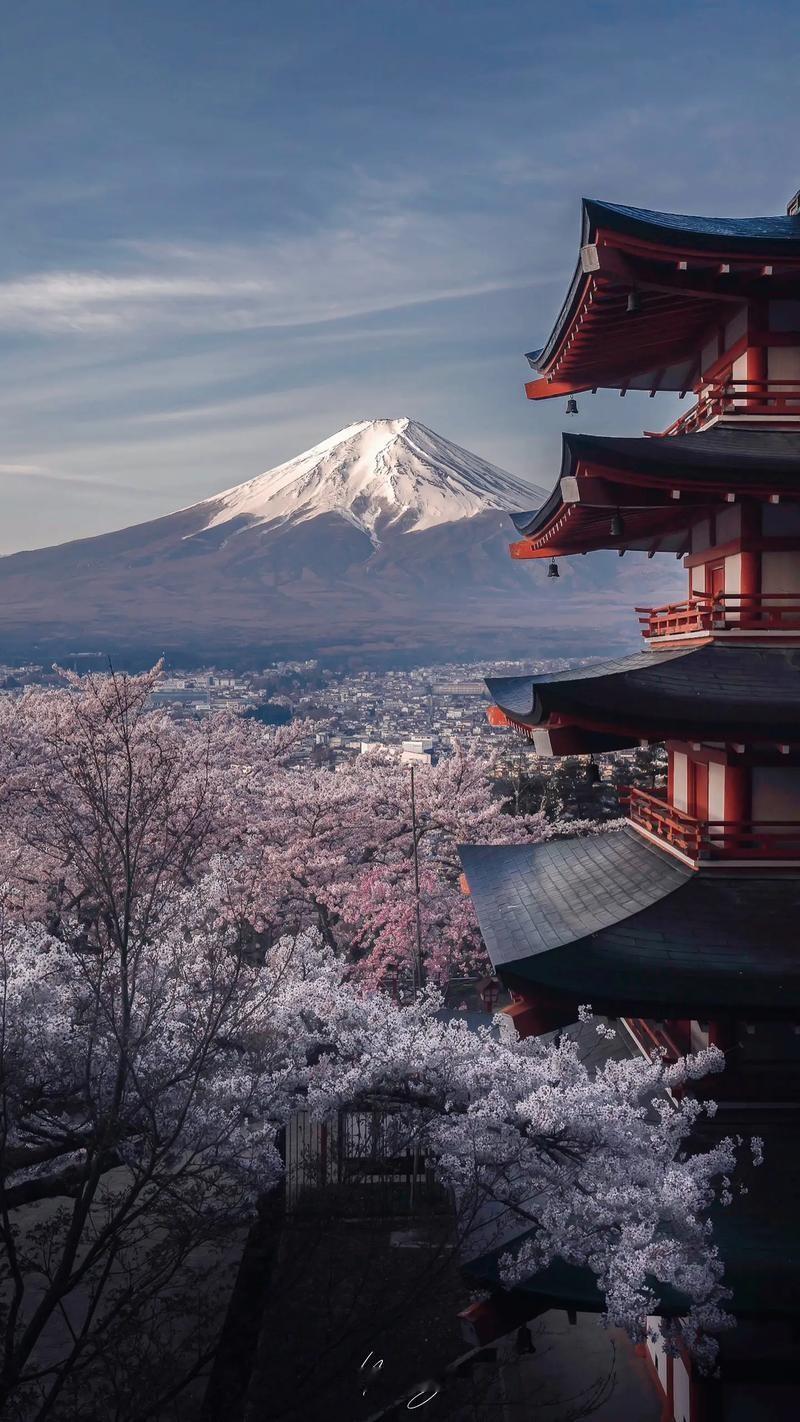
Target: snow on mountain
{"x":377,"y":474}
{"x":313,"y":559}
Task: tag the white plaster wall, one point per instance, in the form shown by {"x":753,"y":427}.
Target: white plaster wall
{"x":681,"y":1410}
{"x":780,"y":572}
{"x":709,"y":354}
{"x":776,"y":793}
{"x":701,"y":536}
{"x":680,"y":795}
{"x":736,"y":328}
{"x":783,"y":363}
{"x":739,"y":368}
{"x":729,"y":523}
{"x":733,"y":573}
{"x":716,"y":792}
{"x":656,"y":1350}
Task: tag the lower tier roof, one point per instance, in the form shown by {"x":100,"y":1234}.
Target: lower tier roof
{"x":613,"y":921}
{"x":728,"y":692}
{"x":638,"y":478}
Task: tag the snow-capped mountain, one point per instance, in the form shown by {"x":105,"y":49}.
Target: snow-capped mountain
{"x":383,"y":543}
{"x":379,"y":475}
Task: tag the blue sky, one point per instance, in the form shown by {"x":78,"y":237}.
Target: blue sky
{"x":232,"y":228}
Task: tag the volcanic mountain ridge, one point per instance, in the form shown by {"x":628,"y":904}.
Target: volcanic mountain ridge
{"x":385,"y":543}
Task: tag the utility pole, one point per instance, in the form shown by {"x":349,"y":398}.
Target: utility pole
{"x":420,"y":967}
{"x":419,"y":975}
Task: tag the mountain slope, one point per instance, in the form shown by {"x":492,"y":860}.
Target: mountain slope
{"x":383,"y":542}
{"x":379,"y":475}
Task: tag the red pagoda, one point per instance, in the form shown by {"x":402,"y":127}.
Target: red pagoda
{"x":683,"y":926}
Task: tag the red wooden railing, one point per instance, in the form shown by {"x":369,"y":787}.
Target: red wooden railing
{"x":704,"y":613}
{"x":741,"y":399}
{"x":713,"y":839}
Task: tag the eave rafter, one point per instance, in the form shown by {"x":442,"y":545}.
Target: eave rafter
{"x":658,"y":506}
{"x":681,"y":294}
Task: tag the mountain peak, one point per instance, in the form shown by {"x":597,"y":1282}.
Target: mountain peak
{"x":377,"y":474}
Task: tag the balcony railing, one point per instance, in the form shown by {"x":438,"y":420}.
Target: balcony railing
{"x":701,"y":840}
{"x":776,"y":400}
{"x":724,"y":612}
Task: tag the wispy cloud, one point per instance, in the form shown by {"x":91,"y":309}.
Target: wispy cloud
{"x":380,"y":260}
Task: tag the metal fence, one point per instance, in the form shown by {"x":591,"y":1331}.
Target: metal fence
{"x":361,"y":1153}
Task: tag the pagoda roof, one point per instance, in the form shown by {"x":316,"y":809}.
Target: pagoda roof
{"x":631,"y":930}
{"x":743,"y":692}
{"x":640,"y":478}
{"x":764,"y":235}
{"x":689,"y":273}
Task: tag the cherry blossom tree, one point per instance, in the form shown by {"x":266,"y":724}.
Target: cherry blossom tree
{"x":338,"y":851}
{"x":157,"y":1031}
{"x":141,"y":1104}
{"x":108,"y":808}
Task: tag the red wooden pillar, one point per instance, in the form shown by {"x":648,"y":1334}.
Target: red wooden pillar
{"x":757,"y":358}
{"x":750,"y":558}
{"x":737,"y":793}
{"x":738,"y":803}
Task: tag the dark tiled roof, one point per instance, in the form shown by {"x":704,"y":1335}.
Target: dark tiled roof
{"x":737,"y":689}
{"x":632,"y":930}
{"x":721,"y":455}
{"x":665,"y":358}
{"x":754,"y":234}
{"x":722,"y":448}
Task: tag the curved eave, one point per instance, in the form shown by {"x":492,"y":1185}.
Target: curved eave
{"x":616,"y":922}
{"x":563,"y":740}
{"x":687,"y":271}
{"x":739,"y":692}
{"x":656,"y":484}
{"x":777,"y":235}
